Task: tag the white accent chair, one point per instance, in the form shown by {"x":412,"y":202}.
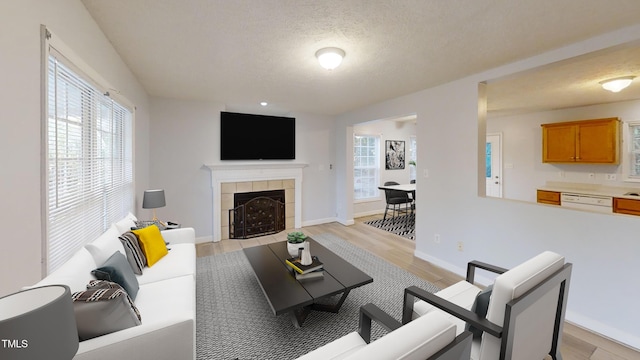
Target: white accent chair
{"x":429,"y":337}
{"x":525,"y":313}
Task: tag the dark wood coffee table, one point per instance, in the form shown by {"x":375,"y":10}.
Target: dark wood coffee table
{"x":285,"y":294}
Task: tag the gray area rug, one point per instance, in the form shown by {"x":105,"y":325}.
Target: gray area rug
{"x":403,"y":225}
{"x":234,"y":320}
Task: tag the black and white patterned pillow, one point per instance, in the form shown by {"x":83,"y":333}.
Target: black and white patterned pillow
{"x":103,"y":309}
{"x":141,"y":224}
{"x":103,"y":284}
{"x":135,"y":256}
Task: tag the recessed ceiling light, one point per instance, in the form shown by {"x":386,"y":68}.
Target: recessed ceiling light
{"x":617,"y":84}
{"x":264,"y":103}
{"x":330,"y":58}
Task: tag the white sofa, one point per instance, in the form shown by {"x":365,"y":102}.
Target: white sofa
{"x":165,"y":300}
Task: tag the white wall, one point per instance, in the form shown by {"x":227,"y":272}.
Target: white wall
{"x":387,"y":130}
{"x":185,"y":137}
{"x":603,"y":248}
{"x":315,"y":136}
{"x":20,"y":101}
{"x":522,"y":148}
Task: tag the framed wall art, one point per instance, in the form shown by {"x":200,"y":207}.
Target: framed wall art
{"x":394,"y":155}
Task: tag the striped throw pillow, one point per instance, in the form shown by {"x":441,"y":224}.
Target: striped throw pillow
{"x":135,"y":256}
{"x":100,"y":311}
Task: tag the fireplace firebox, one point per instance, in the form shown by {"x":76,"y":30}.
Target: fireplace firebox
{"x":257,"y":213}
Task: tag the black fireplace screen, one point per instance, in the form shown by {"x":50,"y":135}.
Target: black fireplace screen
{"x":257,"y":213}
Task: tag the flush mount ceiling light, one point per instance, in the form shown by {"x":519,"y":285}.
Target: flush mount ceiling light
{"x":617,"y":84}
{"x":264,"y":103}
{"x":330,"y":58}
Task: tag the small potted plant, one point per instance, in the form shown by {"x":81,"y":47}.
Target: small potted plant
{"x":295,"y":241}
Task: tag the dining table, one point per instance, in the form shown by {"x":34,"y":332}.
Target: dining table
{"x":410,"y":189}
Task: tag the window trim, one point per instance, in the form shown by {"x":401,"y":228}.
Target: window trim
{"x":378,"y":195}
{"x":125,"y":136}
{"x":627,"y":149}
{"x":369,"y":200}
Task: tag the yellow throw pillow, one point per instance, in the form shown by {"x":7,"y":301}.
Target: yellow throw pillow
{"x":151,"y":243}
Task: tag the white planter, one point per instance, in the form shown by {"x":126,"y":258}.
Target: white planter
{"x":293,"y":248}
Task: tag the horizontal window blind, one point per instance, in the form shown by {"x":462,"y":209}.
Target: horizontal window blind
{"x":89,"y":161}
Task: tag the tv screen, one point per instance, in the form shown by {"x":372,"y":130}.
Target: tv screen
{"x":257,"y":137}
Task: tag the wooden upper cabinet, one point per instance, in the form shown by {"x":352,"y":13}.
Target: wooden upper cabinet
{"x":558,"y":143}
{"x":589,"y":141}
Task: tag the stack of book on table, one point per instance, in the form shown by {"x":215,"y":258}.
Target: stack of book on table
{"x":302,"y":272}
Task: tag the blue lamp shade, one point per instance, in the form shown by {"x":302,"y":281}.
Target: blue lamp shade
{"x":38,"y":323}
{"x":153,"y":199}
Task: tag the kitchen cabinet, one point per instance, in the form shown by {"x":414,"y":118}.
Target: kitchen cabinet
{"x":626,"y":206}
{"x":548,"y":197}
{"x":594,"y":141}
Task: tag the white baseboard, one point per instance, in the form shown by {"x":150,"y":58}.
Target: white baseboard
{"x":368,"y":213}
{"x":479,"y":278}
{"x":346,"y":222}
{"x":582,"y":321}
{"x":318,"y":221}
{"x":443,"y":264}
{"x":604,"y":330}
{"x":204,"y":239}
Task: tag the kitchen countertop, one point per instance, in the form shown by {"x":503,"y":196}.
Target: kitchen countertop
{"x":591,"y":189}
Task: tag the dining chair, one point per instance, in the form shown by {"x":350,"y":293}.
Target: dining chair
{"x":396,"y":200}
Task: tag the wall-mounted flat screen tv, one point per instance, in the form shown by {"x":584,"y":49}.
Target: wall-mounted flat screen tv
{"x":257,"y":137}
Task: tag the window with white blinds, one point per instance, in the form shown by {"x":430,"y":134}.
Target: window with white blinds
{"x":89,"y":161}
{"x":366,"y":167}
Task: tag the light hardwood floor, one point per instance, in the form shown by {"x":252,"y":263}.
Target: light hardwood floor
{"x":578,"y":343}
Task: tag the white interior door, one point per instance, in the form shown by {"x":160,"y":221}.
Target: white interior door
{"x":494,"y":165}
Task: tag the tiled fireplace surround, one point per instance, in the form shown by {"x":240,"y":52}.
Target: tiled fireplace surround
{"x":237,"y":178}
{"x":230,"y":188}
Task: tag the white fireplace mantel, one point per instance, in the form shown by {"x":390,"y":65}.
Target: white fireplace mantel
{"x":223,"y":173}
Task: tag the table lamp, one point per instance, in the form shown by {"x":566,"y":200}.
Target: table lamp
{"x":154,"y":199}
{"x":38,"y":323}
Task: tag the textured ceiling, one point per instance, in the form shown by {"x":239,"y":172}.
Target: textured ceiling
{"x":242,"y":52}
{"x":570,"y":83}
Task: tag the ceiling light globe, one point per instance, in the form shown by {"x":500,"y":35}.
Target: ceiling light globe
{"x":617,"y":84}
{"x":330,"y":58}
